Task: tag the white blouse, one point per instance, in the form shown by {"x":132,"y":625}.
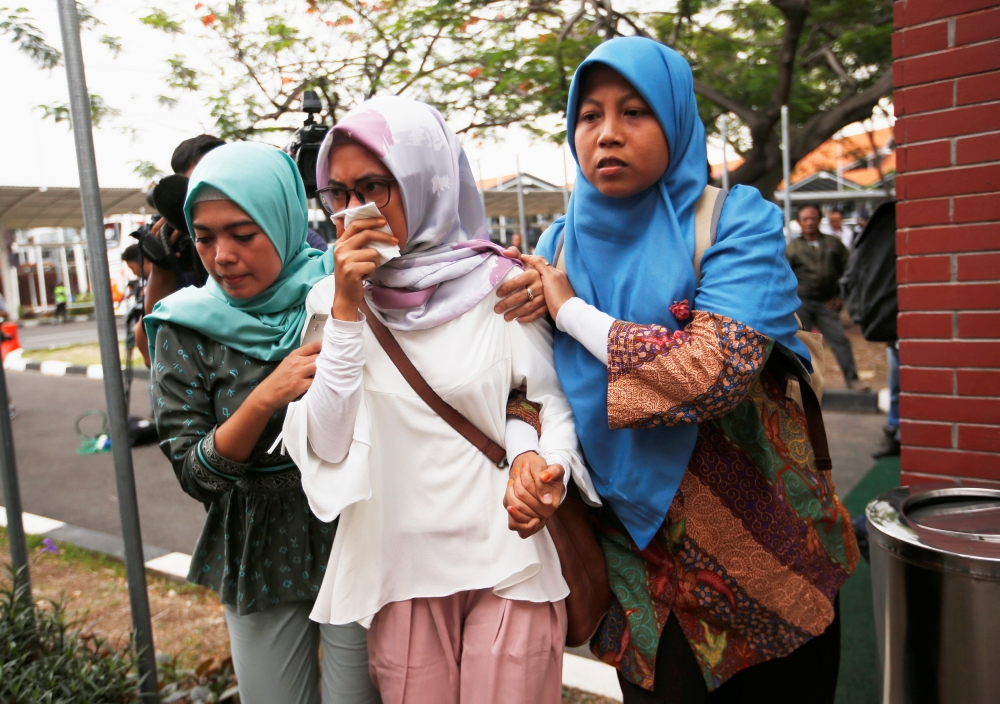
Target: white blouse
{"x":421,"y":509}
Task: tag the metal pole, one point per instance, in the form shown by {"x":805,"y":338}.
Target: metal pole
{"x":12,"y":492}
{"x":565,"y":188}
{"x":725,"y":151}
{"x":520,"y":208}
{"x":784,"y":167}
{"x":840,"y":167}
{"x":107,"y":333}
{"x":482,"y":188}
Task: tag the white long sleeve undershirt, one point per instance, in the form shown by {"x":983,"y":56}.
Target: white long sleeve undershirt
{"x":335,"y":396}
{"x":587,"y":325}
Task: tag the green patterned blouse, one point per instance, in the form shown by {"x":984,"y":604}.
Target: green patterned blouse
{"x":261,"y":545}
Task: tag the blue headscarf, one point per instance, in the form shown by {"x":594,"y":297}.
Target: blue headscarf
{"x":632,"y":258}
{"x":265,"y":183}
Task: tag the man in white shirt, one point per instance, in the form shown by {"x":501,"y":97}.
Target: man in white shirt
{"x":838,"y":229}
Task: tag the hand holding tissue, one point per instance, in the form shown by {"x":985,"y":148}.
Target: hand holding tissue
{"x":370,"y":210}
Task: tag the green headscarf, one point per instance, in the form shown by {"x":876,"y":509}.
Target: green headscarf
{"x":265,"y":183}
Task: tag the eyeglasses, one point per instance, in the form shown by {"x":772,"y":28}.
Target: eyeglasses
{"x":372,"y":190}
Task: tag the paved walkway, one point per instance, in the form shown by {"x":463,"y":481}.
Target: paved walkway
{"x":48,"y":336}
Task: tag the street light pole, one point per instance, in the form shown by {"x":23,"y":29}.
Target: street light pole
{"x":725,"y":152}
{"x":520,"y":208}
{"x":107,"y":334}
{"x":12,"y":494}
{"x":785,"y":157}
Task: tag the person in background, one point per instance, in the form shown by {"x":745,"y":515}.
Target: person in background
{"x":890,"y":446}
{"x":316,"y":241}
{"x":131,"y":258}
{"x":517,"y":242}
{"x":59,"y":294}
{"x":162,"y":282}
{"x":838,"y":229}
{"x":819,"y":261}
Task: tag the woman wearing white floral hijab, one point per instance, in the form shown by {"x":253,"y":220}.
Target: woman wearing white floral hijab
{"x":460,"y":608}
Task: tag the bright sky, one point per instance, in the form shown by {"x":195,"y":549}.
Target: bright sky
{"x":39,"y":152}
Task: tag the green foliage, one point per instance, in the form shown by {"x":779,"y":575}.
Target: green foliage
{"x":146,"y":169}
{"x":491,"y":63}
{"x":210,"y":681}
{"x":181,"y":77}
{"x":43,"y":660}
{"x":114,"y":44}
{"x":27,"y":37}
{"x":99,"y":111}
{"x":487,"y":62}
{"x":159,"y":19}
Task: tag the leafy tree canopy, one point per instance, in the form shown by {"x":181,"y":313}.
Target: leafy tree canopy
{"x":491,"y":63}
{"x":18,"y":24}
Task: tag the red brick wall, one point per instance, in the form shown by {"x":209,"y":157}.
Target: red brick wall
{"x":946,"y":74}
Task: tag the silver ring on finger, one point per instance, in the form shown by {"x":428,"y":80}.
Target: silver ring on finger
{"x":531,"y":294}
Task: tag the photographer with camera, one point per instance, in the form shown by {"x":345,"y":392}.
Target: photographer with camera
{"x":165,"y":243}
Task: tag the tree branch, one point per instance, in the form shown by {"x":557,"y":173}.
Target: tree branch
{"x":795,"y":12}
{"x":826,"y":52}
{"x":568,"y":27}
{"x":824,"y":124}
{"x":746,"y":113}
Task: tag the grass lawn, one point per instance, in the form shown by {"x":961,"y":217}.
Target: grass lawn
{"x":188,"y":621}
{"x":859,"y":677}
{"x":82,"y":355}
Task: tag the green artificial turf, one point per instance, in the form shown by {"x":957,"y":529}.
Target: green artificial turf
{"x":859,"y":680}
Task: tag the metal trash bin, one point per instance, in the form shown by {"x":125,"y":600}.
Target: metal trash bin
{"x":935,"y":558}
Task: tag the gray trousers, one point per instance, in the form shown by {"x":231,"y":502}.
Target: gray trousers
{"x":276,"y":658}
{"x":814,"y":314}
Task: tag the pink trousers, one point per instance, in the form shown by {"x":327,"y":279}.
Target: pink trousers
{"x":468,"y":648}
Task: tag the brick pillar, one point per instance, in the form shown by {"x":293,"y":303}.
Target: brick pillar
{"x":946,"y":73}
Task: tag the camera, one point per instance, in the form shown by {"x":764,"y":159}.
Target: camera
{"x":304,"y":147}
{"x":171,"y":248}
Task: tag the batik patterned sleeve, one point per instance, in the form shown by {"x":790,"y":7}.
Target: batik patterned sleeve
{"x":660,"y":378}
{"x":518,"y":406}
{"x":185,"y":419}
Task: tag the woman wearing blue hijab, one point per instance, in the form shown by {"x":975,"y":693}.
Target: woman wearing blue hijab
{"x":226,"y":363}
{"x":725,"y":545}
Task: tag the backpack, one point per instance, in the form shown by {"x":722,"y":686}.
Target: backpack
{"x":868,"y":287}
{"x":707,"y":211}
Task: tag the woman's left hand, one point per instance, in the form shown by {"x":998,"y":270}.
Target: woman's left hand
{"x":517,"y":301}
{"x":534,"y":492}
{"x":556,"y":284}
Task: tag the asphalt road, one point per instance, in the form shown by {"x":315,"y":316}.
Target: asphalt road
{"x":43,"y":337}
{"x":80,"y":489}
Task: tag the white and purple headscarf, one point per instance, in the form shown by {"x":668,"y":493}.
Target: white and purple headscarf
{"x":448,"y":263}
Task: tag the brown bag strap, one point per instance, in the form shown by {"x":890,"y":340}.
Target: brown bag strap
{"x":783,"y":364}
{"x":817,"y":428}
{"x":462,"y":425}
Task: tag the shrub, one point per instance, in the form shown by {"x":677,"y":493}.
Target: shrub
{"x":42,"y":660}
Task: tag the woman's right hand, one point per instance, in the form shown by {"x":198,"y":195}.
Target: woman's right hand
{"x":354,"y":262}
{"x":558,"y":289}
{"x":290,"y":380}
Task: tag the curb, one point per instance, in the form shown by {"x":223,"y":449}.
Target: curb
{"x":580,"y":673}
{"x":37,"y":322}
{"x":15,"y":362}
{"x":847,"y":400}
{"x":172,"y":565}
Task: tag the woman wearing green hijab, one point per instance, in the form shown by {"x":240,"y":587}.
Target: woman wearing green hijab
{"x":225,"y":364}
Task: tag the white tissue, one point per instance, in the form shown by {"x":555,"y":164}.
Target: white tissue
{"x":370,"y":210}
